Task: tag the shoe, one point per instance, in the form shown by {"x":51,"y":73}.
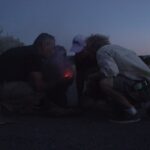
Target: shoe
{"x":125,"y":118}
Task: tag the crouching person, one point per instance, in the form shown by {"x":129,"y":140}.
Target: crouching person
{"x":23,"y":80}
{"x":124,"y":78}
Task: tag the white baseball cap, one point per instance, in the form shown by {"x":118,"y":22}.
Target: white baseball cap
{"x":78,"y":43}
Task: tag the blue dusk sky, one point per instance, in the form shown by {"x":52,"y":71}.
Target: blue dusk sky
{"x":126,"y":22}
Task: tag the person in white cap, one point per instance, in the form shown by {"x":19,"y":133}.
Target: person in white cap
{"x":78,"y":43}
{"x":84,"y":64}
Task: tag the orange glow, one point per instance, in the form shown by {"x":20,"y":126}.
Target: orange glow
{"x":68,"y":74}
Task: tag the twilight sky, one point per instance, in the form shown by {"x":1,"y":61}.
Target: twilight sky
{"x":126,"y":22}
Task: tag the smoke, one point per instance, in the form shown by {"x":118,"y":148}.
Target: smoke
{"x":58,"y":67}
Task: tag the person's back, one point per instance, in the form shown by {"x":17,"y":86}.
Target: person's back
{"x":119,"y":60}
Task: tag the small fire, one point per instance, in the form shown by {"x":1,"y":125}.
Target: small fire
{"x":68,"y":74}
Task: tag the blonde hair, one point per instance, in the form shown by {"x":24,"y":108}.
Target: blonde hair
{"x":96,"y":41}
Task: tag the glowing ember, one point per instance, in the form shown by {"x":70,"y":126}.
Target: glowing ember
{"x":68,"y":74}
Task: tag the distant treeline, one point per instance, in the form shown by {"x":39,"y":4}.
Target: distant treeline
{"x":7,"y":41}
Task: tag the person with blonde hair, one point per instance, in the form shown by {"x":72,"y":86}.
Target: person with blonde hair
{"x":124,"y":77}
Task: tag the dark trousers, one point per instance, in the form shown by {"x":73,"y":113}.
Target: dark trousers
{"x":57,"y":94}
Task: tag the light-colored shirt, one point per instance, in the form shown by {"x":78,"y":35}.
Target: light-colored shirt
{"x":114,"y":60}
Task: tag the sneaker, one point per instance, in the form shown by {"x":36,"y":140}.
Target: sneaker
{"x":125,"y":118}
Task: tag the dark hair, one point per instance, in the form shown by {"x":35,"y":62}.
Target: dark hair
{"x":96,"y":41}
{"x":42,"y":37}
{"x":61,"y":50}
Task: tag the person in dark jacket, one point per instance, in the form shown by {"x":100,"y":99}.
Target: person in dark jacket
{"x":29,"y":74}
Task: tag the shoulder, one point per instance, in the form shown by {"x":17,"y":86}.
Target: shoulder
{"x":112,"y":50}
{"x":17,"y":51}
